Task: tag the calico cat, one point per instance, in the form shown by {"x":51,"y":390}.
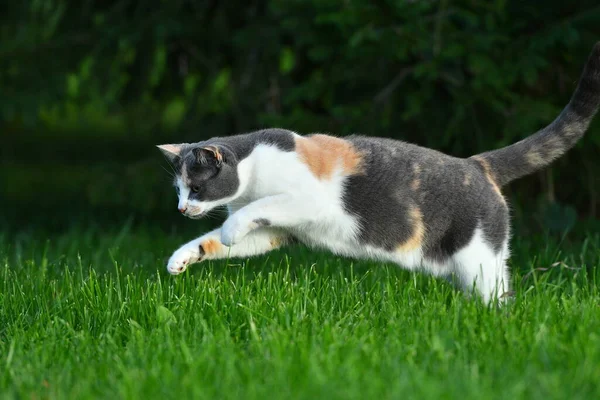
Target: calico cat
{"x":368,"y":197}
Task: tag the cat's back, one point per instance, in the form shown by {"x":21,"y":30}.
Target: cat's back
{"x":393,"y":151}
{"x":389,"y":164}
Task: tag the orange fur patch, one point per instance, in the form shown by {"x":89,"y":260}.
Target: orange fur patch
{"x":418,"y":231}
{"x":276,"y":242}
{"x":534,"y":158}
{"x":556,"y":148}
{"x":323,"y":154}
{"x":215,"y":151}
{"x":575,"y":129}
{"x":490,"y":177}
{"x":467,"y":180}
{"x":415,"y":184}
{"x":211,"y":246}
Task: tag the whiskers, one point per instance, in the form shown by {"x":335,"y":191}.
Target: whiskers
{"x":172,"y":173}
{"x":215,"y":213}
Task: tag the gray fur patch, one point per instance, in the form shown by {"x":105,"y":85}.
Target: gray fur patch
{"x":201,"y":251}
{"x":262,"y":222}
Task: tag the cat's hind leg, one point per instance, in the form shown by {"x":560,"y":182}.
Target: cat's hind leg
{"x":479,"y":267}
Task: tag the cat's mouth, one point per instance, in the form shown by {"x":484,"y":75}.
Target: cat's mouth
{"x":196,"y":216}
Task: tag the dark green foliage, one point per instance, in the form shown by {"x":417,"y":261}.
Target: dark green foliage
{"x":89,"y":87}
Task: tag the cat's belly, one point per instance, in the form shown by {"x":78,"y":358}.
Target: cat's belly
{"x":331,"y":235}
{"x":343,"y":241}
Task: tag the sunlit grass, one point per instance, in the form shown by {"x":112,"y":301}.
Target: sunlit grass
{"x":89,"y":315}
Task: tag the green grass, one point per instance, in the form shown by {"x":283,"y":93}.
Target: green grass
{"x":94,"y":315}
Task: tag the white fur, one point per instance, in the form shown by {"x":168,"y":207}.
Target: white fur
{"x":279,"y":187}
{"x":478,"y":266}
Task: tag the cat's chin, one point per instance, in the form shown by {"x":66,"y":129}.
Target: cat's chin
{"x":196,"y":216}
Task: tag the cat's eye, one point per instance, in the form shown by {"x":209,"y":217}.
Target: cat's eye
{"x":195,"y":189}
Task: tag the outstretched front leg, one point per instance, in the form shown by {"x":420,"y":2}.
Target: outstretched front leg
{"x":210,"y":247}
{"x":282,"y":211}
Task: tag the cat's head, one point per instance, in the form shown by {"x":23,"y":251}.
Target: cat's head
{"x":206,"y":176}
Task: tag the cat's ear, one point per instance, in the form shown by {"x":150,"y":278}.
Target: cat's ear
{"x":209,"y":155}
{"x":171,"y":151}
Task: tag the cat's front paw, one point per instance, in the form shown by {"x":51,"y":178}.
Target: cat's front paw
{"x":229,"y":237}
{"x":182,"y":258}
{"x":233,"y":231}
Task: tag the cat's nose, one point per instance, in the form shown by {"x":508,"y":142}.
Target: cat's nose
{"x":182,"y":209}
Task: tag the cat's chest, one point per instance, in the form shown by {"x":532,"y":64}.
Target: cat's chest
{"x":337,"y":233}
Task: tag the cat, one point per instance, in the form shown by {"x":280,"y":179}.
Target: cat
{"x":367,"y":197}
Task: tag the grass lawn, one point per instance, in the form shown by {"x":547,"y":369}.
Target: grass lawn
{"x":94,"y":315}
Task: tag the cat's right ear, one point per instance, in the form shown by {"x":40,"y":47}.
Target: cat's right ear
{"x":171,"y":151}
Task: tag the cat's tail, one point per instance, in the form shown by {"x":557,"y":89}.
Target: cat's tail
{"x":537,"y":151}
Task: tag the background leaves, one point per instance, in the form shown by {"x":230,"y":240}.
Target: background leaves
{"x":89,"y":88}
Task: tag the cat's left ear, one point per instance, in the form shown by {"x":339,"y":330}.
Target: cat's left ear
{"x":209,"y":154}
{"x":171,"y":151}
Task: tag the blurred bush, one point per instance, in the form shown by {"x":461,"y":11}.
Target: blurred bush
{"x":88,"y":88}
